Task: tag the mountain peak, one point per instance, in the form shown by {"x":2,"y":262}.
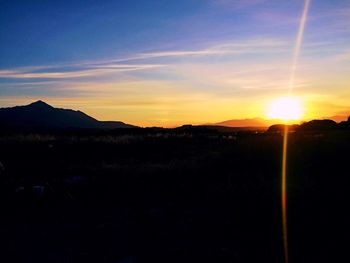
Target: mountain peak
{"x":40,"y":104}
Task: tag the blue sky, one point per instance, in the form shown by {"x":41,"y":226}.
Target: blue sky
{"x":172,"y":62}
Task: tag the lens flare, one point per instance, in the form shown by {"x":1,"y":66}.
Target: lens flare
{"x":297,"y":45}
{"x":296,"y":52}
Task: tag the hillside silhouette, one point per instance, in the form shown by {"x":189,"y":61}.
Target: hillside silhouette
{"x":312,"y":126}
{"x":42,"y":115}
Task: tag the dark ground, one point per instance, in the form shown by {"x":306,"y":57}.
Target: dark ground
{"x":180,"y":197}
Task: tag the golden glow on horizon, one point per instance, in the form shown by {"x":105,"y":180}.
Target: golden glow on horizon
{"x":177,"y":109}
{"x":286,"y":109}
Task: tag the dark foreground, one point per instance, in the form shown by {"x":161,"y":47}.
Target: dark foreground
{"x":172,"y":198}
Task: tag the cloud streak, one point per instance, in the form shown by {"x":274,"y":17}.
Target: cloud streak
{"x":113,"y":66}
{"x":92,"y":71}
{"x":232,"y":4}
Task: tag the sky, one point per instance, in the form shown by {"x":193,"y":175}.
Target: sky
{"x":167,"y":63}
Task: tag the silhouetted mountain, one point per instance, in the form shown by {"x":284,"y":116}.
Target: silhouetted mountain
{"x":318,"y":125}
{"x":42,"y":115}
{"x":261,"y":122}
{"x":254,"y":122}
{"x":280,"y":127}
{"x":345,"y":124}
{"x":115,"y":124}
{"x":336,"y":118}
{"x":314,"y":125}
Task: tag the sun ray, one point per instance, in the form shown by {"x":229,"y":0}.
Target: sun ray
{"x":296,"y":52}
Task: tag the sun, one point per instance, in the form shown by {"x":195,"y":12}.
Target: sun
{"x":286,"y":108}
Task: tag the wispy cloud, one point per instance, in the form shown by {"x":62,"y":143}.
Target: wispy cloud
{"x":230,"y":48}
{"x":91,"y":71}
{"x":85,"y":69}
{"x":234,"y":4}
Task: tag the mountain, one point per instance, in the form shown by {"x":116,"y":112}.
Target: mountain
{"x":254,"y":122}
{"x":313,"y":126}
{"x":319,"y":125}
{"x":280,"y":128}
{"x":325,"y":123}
{"x":42,"y":115}
{"x":336,"y":118}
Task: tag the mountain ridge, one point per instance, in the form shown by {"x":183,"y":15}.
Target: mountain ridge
{"x":261,"y":122}
{"x":39,"y":114}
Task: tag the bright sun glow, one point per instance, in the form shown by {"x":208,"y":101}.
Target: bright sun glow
{"x":285,"y":108}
